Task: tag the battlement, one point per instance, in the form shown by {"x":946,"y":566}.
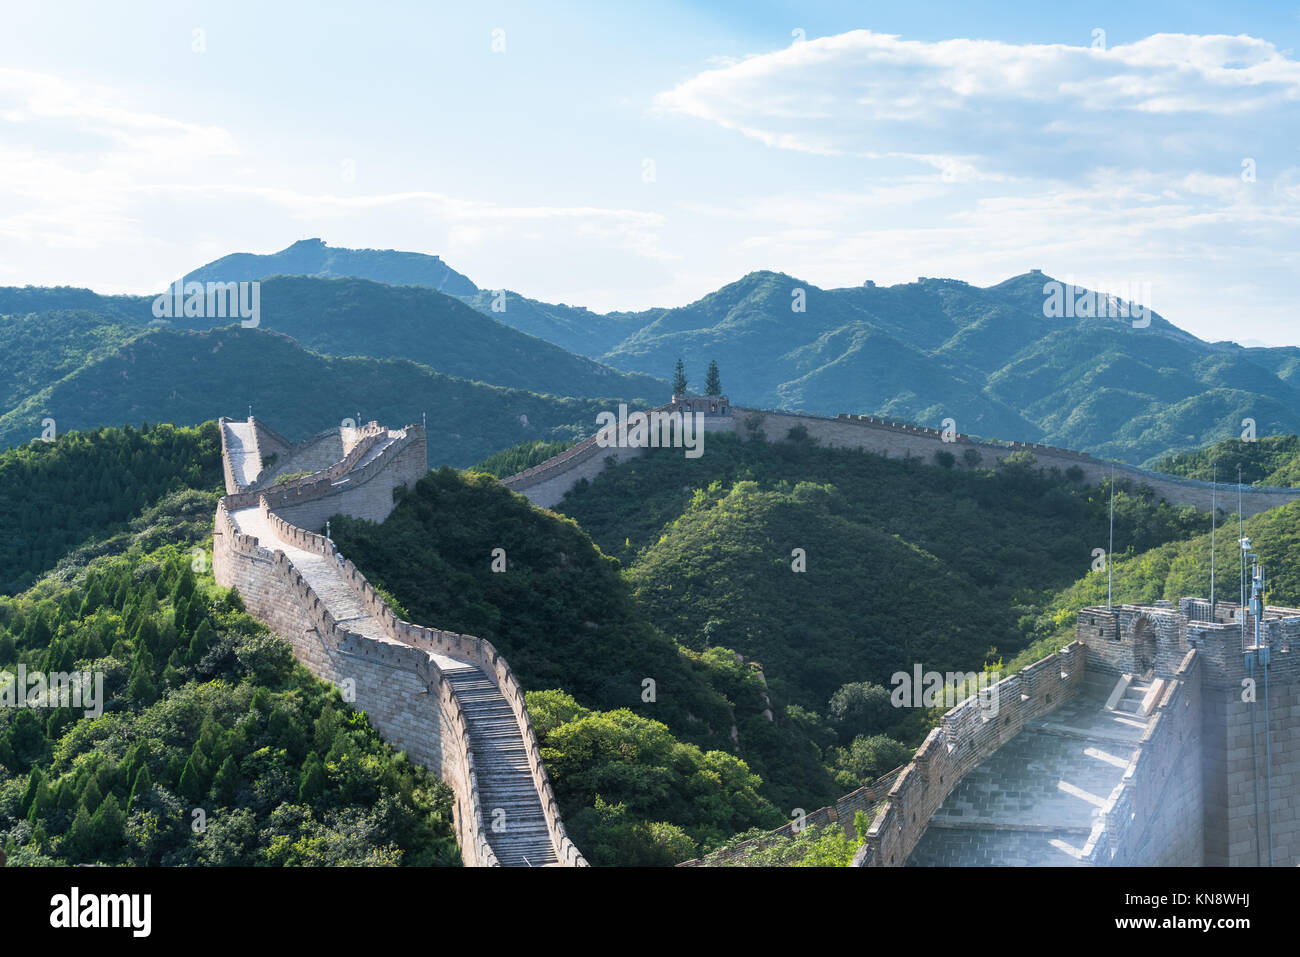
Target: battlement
{"x":547,"y":483}
{"x":405,"y":676}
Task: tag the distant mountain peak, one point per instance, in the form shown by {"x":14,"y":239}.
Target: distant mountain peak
{"x":314,"y":257}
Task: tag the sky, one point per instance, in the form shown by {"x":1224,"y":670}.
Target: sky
{"x":625,"y":156}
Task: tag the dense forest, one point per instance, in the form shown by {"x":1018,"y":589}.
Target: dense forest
{"x":681,"y":571}
{"x":693,"y":679}
{"x":214,"y":746}
{"x":56,"y":495}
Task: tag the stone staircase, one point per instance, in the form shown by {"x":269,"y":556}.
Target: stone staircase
{"x":513,"y":820}
{"x":512,"y":811}
{"x":1131,"y":701}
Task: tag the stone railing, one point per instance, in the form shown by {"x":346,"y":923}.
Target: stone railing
{"x":476,"y":651}
{"x":574,"y":455}
{"x":337,"y":470}
{"x":1141,"y":797}
{"x":967,"y":735}
{"x":470,"y":821}
{"x":841,"y":812}
{"x":1174,"y":488}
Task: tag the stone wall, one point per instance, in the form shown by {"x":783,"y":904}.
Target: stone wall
{"x":362,"y":492}
{"x":546,"y":484}
{"x":1235,"y":756}
{"x":394,"y":678}
{"x":967,"y":735}
{"x":1153,"y":817}
{"x":841,"y":812}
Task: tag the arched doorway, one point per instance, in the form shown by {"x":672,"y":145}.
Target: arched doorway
{"x":1144,"y":646}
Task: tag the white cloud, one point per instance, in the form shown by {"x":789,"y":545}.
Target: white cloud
{"x":986,"y":105}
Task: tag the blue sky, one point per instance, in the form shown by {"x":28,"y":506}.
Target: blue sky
{"x":629,"y":155}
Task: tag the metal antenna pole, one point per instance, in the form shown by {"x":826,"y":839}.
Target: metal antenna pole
{"x":1214,"y":521}
{"x":1110,"y":555}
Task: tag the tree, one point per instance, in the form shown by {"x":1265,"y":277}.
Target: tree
{"x":861,"y":707}
{"x":679,"y":379}
{"x":311,"y":782}
{"x":143,"y":785}
{"x":224,"y":784}
{"x":712,"y":382}
{"x":108,"y":828}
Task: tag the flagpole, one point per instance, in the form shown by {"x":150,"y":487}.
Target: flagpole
{"x":1110,"y":555}
{"x":1214,"y":521}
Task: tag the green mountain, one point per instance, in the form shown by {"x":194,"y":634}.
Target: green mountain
{"x":311,"y":257}
{"x":906,"y":563}
{"x":186,"y":377}
{"x":937,"y":348}
{"x":338,"y":317}
{"x":922,"y":351}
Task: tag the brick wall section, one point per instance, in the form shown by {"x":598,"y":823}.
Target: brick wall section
{"x":546,"y":484}
{"x":365,"y":492}
{"x":395,"y":677}
{"x":841,"y":812}
{"x":1231,"y":759}
{"x":967,"y":735}
{"x":1153,"y":816}
{"x":476,"y":651}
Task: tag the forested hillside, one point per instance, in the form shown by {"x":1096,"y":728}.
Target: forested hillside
{"x":208,"y":744}
{"x":55,"y":496}
{"x":907,"y":563}
{"x":190,"y":377}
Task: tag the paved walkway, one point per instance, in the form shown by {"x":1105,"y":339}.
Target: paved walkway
{"x":241,"y":450}
{"x":1035,"y":800}
{"x":512,"y":807}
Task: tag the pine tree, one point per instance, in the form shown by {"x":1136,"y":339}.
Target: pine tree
{"x":679,"y":379}
{"x":203,"y":636}
{"x":712,"y":383}
{"x":311,"y":784}
{"x":143,"y":785}
{"x":77,"y":845}
{"x":91,"y":796}
{"x":226,"y":781}
{"x":191,"y":786}
{"x":141,"y":688}
{"x":29,"y":795}
{"x":108,"y":828}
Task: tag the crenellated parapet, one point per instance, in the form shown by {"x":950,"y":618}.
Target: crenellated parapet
{"x":967,"y":735}
{"x":546,"y":484}
{"x":409,"y":679}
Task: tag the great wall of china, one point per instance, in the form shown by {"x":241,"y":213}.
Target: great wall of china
{"x":449,"y":701}
{"x":1133,"y":745}
{"x":547,"y":483}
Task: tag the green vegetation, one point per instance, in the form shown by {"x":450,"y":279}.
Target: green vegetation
{"x":57,"y":495}
{"x":657,"y":800}
{"x":520,"y":457}
{"x":213,"y":747}
{"x":190,"y":377}
{"x":816,"y":845}
{"x":975,"y":557}
{"x":906,"y":563}
{"x":291,"y":476}
{"x":1270,"y":460}
{"x":923,"y":351}
{"x":565,"y":619}
{"x":41,"y":349}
